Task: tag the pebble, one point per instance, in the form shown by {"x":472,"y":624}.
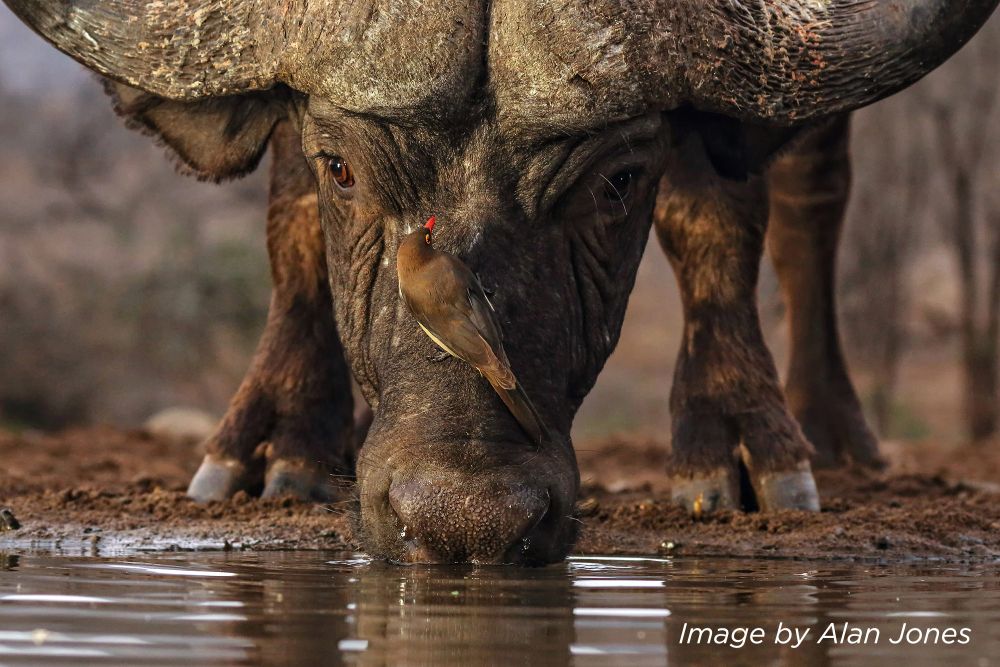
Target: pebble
{"x":8,"y":521}
{"x":587,"y":507}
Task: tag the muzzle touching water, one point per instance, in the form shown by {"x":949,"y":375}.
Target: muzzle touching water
{"x":466,"y":500}
{"x":448,"y":522}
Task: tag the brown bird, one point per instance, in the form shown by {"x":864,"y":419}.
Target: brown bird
{"x":452,"y":308}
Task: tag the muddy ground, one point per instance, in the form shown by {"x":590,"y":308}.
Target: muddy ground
{"x":108,"y":491}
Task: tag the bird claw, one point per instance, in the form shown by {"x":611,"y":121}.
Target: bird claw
{"x":438,"y":357}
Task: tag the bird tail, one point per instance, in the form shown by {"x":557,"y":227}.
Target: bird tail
{"x":524,"y":411}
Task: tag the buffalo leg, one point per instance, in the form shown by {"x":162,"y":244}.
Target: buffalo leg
{"x":288,"y":429}
{"x":728,"y":411}
{"x":809,"y":187}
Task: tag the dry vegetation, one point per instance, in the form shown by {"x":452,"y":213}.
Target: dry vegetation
{"x":123,"y":287}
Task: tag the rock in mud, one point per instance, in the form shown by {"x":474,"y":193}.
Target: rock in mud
{"x":8,"y":521}
{"x":181,"y":425}
{"x":587,"y":507}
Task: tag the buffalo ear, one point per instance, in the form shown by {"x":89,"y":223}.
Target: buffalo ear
{"x":214,"y":139}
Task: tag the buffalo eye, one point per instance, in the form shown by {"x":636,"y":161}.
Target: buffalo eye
{"x":616,"y":188}
{"x":341,"y":171}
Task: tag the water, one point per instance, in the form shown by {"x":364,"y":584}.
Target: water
{"x":319,"y":608}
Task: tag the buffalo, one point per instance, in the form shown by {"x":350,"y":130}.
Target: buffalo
{"x":547,"y":137}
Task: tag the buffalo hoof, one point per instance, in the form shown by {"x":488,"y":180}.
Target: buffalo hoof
{"x":299,"y":480}
{"x":704,"y":494}
{"x":788,"y":490}
{"x":219,"y":479}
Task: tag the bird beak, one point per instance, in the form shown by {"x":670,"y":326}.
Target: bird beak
{"x":429,"y":225}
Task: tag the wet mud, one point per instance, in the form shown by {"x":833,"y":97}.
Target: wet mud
{"x":110,"y":491}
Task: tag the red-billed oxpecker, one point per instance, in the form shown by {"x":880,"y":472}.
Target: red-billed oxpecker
{"x":450,"y":305}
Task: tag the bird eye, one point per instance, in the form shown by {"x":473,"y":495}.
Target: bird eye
{"x":341,"y":171}
{"x":427,"y":238}
{"x":617,"y":187}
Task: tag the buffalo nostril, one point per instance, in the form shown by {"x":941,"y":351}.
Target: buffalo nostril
{"x":452,"y":523}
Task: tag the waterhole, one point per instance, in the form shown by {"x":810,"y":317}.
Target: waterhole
{"x":311,"y":608}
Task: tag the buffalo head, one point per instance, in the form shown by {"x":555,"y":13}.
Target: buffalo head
{"x":536,"y":131}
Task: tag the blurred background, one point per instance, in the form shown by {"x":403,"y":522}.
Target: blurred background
{"x":126,"y":289}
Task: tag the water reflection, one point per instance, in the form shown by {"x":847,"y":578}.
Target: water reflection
{"x":443,"y":616}
{"x":311,"y":608}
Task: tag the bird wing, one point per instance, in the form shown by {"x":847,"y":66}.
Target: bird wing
{"x":483,"y":318}
{"x":468,"y":330}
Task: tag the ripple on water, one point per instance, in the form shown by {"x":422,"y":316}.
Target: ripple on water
{"x":305,"y":608}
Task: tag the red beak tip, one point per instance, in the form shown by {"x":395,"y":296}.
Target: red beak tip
{"x":430,"y":223}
